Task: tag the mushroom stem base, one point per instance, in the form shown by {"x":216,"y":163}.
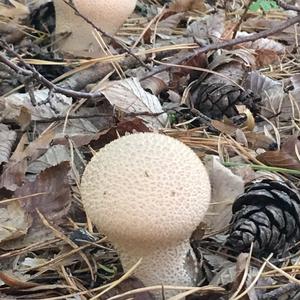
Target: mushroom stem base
{"x":170,"y":265}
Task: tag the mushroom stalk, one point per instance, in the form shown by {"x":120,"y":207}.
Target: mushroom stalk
{"x":165,"y":264}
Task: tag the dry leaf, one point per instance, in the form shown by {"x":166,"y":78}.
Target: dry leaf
{"x":231,"y":64}
{"x":34,"y":235}
{"x":123,"y":127}
{"x":166,"y":27}
{"x":80,"y":131}
{"x":208,"y":28}
{"x":240,"y":137}
{"x":247,"y":56}
{"x":266,"y":57}
{"x":128,"y":96}
{"x":14,"y":113}
{"x":54,"y":156}
{"x":16,"y":280}
{"x":215,"y":24}
{"x":259,"y":140}
{"x":225,"y":188}
{"x":13,"y":176}
{"x":286,"y":36}
{"x":287,"y":157}
{"x":14,"y":172}
{"x":19,"y":11}
{"x":241,"y":266}
{"x":12,"y":106}
{"x":55,"y":202}
{"x":270,"y":91}
{"x":279,"y":159}
{"x":292,"y":146}
{"x":7,"y":138}
{"x":154,"y":85}
{"x":85,"y":124}
{"x":224,"y":128}
{"x":39,"y":146}
{"x":179,"y":73}
{"x":263,"y":44}
{"x":199,"y":31}
{"x":14,"y":221}
{"x":255,"y":140}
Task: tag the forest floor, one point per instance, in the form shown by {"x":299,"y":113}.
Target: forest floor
{"x":223,"y":77}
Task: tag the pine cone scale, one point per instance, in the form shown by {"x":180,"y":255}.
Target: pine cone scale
{"x":217,"y":100}
{"x":267,"y":214}
{"x":255,"y":197}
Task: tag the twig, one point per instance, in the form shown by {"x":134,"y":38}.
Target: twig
{"x":286,"y":6}
{"x":32,"y":72}
{"x":233,"y":42}
{"x":126,"y":49}
{"x":284,"y":290}
{"x":102,"y":115}
{"x":242,"y":18}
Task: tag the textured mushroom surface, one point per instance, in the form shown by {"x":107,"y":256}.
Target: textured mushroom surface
{"x":148,"y":192}
{"x":144,"y":181}
{"x":108,"y":15}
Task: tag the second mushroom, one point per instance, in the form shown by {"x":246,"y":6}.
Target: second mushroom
{"x":108,"y":15}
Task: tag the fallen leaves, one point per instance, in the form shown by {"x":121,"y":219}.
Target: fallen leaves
{"x":287,"y":157}
{"x":279,"y":159}
{"x":154,"y":85}
{"x":49,"y":193}
{"x":225,"y":188}
{"x":167,"y":26}
{"x":7,"y":139}
{"x":14,"y":281}
{"x":14,"y":171}
{"x":52,"y":205}
{"x":37,"y":105}
{"x":126,"y":126}
{"x":36,"y":179}
{"x":292,"y":146}
{"x":128,"y":96}
{"x":266,"y":57}
{"x":14,"y":221}
{"x":17,"y":11}
{"x":207,"y":27}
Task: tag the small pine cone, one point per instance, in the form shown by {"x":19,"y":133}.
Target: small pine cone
{"x":219,"y":100}
{"x":267,"y":214}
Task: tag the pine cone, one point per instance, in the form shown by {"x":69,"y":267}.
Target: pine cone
{"x":267,"y":214}
{"x":217,"y":100}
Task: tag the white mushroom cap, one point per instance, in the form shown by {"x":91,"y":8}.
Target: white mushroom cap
{"x":146,"y":181}
{"x":147,"y":192}
{"x":108,"y":15}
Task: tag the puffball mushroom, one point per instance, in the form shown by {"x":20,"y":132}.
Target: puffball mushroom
{"x":108,"y":15}
{"x":148,"y":192}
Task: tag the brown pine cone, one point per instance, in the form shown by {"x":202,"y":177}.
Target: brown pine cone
{"x":267,"y":214}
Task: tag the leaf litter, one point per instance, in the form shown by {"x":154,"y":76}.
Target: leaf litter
{"x":48,"y":247}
